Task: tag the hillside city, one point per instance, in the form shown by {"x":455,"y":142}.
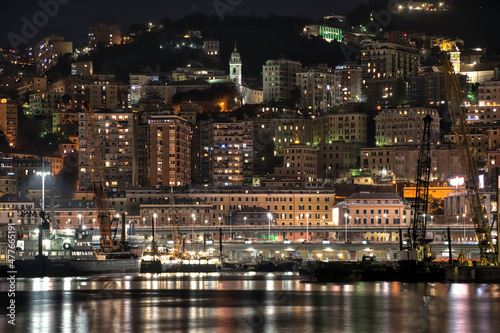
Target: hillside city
{"x":192,"y":118}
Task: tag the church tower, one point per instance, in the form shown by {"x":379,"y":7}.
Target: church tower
{"x":235,"y":67}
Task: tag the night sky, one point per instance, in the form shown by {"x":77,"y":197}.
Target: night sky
{"x":73,"y":18}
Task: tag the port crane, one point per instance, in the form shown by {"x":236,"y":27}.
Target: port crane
{"x":458,"y":115}
{"x":96,"y":170}
{"x":417,"y":242}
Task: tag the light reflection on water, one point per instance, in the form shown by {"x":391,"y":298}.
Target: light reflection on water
{"x":243,"y":302}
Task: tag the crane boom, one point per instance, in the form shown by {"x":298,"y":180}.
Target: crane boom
{"x":417,"y":229}
{"x":96,"y":170}
{"x":469,"y":166}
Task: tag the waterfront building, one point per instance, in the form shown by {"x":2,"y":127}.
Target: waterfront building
{"x":370,"y":209}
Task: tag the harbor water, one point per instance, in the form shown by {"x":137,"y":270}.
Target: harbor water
{"x":246,"y":302}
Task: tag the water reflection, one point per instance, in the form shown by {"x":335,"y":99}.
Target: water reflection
{"x":244,"y":302}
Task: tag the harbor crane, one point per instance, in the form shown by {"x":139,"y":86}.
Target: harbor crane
{"x":458,"y":115}
{"x":96,"y":170}
{"x":417,"y":242}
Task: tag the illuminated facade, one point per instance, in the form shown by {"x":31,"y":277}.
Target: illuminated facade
{"x":45,"y":103}
{"x":374,"y":209}
{"x":235,"y":65}
{"x":404,"y":125}
{"x":279,"y":79}
{"x":117,"y":134}
{"x":290,"y":207}
{"x":48,"y":51}
{"x":350,"y":83}
{"x":227,"y":152}
{"x":325,"y":32}
{"x":8,"y":120}
{"x":489,"y":93}
{"x":344,"y":125}
{"x":291,"y":131}
{"x":381,"y":60}
{"x":164,"y":151}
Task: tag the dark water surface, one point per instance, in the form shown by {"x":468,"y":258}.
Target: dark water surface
{"x":246,"y":302}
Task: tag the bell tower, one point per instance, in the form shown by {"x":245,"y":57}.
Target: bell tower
{"x":235,"y":67}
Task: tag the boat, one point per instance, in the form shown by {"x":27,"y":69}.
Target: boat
{"x":370,"y":269}
{"x":69,"y":252}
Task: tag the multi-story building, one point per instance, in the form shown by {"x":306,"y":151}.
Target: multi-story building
{"x":373,"y":209}
{"x":105,"y":35}
{"x":319,"y":90}
{"x":380,"y":60}
{"x":346,"y":124}
{"x":290,"y":207}
{"x":489,"y":93}
{"x":227,"y":152}
{"x":45,"y":103}
{"x":335,"y":156}
{"x":427,"y":89}
{"x":48,"y":51}
{"x":385,"y":93}
{"x":299,"y":164}
{"x":31,"y":85}
{"x":350,"y":82}
{"x":21,"y":170}
{"x":291,"y":130}
{"x":405,"y":125}
{"x":65,"y":122}
{"x":278,"y":78}
{"x":10,"y":204}
{"x":164,"y":151}
{"x":379,"y":161}
{"x":188,"y":212}
{"x":82,"y":68}
{"x":401,"y":162}
{"x":136,"y":82}
{"x":8,"y":120}
{"x":117,"y":133}
{"x":211,"y":47}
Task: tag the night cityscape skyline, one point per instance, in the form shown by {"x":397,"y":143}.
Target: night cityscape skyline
{"x":241,"y":165}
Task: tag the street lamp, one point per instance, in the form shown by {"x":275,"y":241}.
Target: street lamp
{"x":307,"y":227}
{"x":464,"y":225}
{"x":457,"y":219}
{"x":79,"y":219}
{"x":269,"y":231}
{"x":192,"y":229}
{"x":154,"y":223}
{"x":43,"y":173}
{"x":345,"y":222}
